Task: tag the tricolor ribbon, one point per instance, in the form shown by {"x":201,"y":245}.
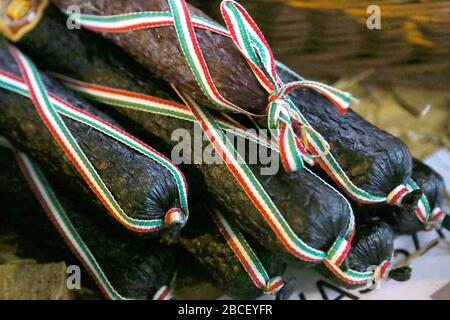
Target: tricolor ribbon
{"x":58,"y":216}
{"x":297,"y":140}
{"x":283,"y":116}
{"x":279,"y":112}
{"x":248,"y":259}
{"x":262,"y":201}
{"x":246,"y":255}
{"x":121,"y":98}
{"x":320,"y":151}
{"x":431,"y":218}
{"x":51,"y":109}
{"x":153,"y":105}
{"x":164,"y":293}
{"x":374,"y":274}
{"x":282,"y":112}
{"x":269,"y":286}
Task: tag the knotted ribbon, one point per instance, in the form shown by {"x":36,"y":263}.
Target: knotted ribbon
{"x":284,"y":118}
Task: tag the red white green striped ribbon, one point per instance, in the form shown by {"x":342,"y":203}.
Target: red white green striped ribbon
{"x":184,"y":25}
{"x":158,"y":106}
{"x":153,"y":105}
{"x":375,"y":274}
{"x":244,"y":252}
{"x":331,"y":259}
{"x":235,"y":239}
{"x":290,"y":145}
{"x":127,"y":22}
{"x":430,"y":218}
{"x":231,"y":233}
{"x":259,"y":197}
{"x":51,"y":107}
{"x":284,"y":119}
{"x":251,"y":263}
{"x":150,"y":104}
{"x":283,"y":116}
{"x":317,"y":147}
{"x":67,"y":230}
{"x":164,"y":293}
{"x":237,"y":242}
{"x":251,"y":42}
{"x":194,"y":56}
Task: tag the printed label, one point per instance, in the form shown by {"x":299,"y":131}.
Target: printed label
{"x":18,"y":17}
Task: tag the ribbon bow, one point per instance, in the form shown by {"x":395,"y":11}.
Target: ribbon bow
{"x":284,"y":119}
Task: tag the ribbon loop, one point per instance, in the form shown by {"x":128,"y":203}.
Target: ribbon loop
{"x":187,"y":38}
{"x":436,"y":218}
{"x":175,"y":216}
{"x":340,"y":99}
{"x":250,"y":41}
{"x":381,"y":272}
{"x":338,"y":251}
{"x":398,"y":194}
{"x":278,"y":111}
{"x":274,"y":285}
